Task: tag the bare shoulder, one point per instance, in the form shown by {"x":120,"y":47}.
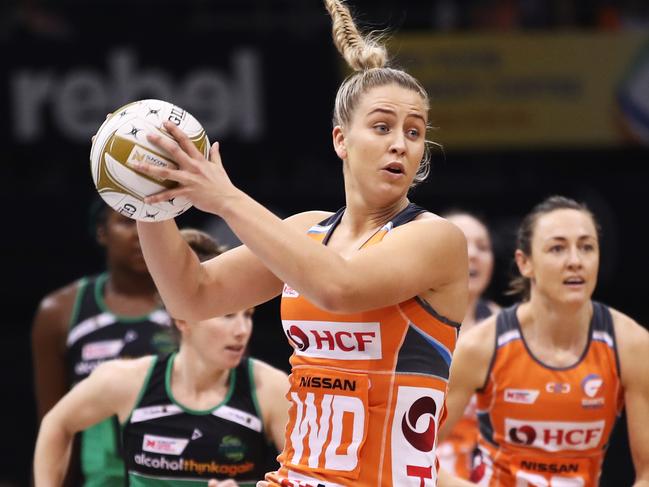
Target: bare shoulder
{"x":306,"y":219}
{"x":127,"y":370}
{"x":628,"y":332}
{"x":60,"y":299}
{"x":268,"y":378}
{"x":54,"y":312}
{"x":632,"y":341}
{"x":473,"y":355}
{"x":430,"y":222}
{"x":479,"y":341}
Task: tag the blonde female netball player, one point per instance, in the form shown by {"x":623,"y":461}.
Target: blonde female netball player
{"x":553,"y":372}
{"x":372,"y":295}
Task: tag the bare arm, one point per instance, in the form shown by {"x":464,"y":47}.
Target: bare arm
{"x":235,"y":280}
{"x":633,"y":348}
{"x":49,"y":334}
{"x":445,"y":479}
{"x":272,"y":386}
{"x":332,"y":282}
{"x":111,"y":389}
{"x":469,"y":369}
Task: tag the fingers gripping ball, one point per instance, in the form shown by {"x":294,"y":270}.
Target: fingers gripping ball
{"x":121,"y":139}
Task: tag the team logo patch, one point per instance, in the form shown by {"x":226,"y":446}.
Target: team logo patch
{"x":340,"y":341}
{"x":163,"y":444}
{"x":232,"y":448}
{"x":591,"y":384}
{"x":554,"y":435}
{"x":521,"y":396}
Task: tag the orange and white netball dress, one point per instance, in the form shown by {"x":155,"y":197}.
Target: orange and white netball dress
{"x":456,"y":452}
{"x":547,"y":426}
{"x":367,"y":389}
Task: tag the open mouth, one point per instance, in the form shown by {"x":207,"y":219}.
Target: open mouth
{"x":234,"y":348}
{"x":574,"y":281}
{"x":394,"y":168}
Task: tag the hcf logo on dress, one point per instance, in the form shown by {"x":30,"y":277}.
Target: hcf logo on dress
{"x":340,"y":341}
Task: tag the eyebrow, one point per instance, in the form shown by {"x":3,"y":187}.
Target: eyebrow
{"x":564,"y":239}
{"x":392,"y":112}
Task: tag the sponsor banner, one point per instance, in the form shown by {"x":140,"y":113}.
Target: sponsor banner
{"x":533,"y":89}
{"x":340,"y":341}
{"x":238,"y":416}
{"x":188,"y":465}
{"x":521,"y":396}
{"x":328,"y":420}
{"x":550,"y":471}
{"x":102,"y":350}
{"x":414,"y":436}
{"x":153,"y":412}
{"x":163,"y":444}
{"x":554,"y":435}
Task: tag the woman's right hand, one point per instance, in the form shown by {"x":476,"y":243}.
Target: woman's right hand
{"x":204,"y":182}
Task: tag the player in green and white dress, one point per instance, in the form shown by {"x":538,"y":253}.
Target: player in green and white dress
{"x":207,"y":412}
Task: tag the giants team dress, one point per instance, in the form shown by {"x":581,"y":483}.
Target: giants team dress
{"x":97,"y":335}
{"x":168,"y":444}
{"x":366,"y":390}
{"x":455,"y":453}
{"x":547,"y":426}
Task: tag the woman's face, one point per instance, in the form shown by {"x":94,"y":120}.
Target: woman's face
{"x":384,"y":143}
{"x":223,"y":339}
{"x":119,"y":236}
{"x":565,"y":256}
{"x":481,"y":257}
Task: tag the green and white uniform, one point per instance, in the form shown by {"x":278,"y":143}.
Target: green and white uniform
{"x":97,"y":335}
{"x":168,"y":444}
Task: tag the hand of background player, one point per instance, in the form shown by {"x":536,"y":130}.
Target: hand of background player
{"x":205,"y":183}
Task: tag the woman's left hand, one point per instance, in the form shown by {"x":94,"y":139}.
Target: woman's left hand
{"x":204,"y":182}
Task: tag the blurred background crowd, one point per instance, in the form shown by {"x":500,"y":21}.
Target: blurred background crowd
{"x":529,"y":98}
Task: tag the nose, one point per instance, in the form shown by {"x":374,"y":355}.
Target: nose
{"x":398,"y":143}
{"x":574,"y":258}
{"x":472,"y":250}
{"x":241,"y":325}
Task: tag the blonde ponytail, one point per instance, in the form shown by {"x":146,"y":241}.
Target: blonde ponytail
{"x":360,"y":52}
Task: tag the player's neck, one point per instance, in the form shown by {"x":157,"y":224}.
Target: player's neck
{"x":555,"y":324}
{"x":198,"y":379}
{"x":359,"y":217}
{"x":122,"y":281}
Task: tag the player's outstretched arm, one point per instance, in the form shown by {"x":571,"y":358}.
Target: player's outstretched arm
{"x":111,"y":389}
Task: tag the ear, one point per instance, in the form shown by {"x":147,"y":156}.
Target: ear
{"x":524,"y":264}
{"x":338,"y":138}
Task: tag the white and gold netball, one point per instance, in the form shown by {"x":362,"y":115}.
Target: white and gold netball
{"x":121,"y":139}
